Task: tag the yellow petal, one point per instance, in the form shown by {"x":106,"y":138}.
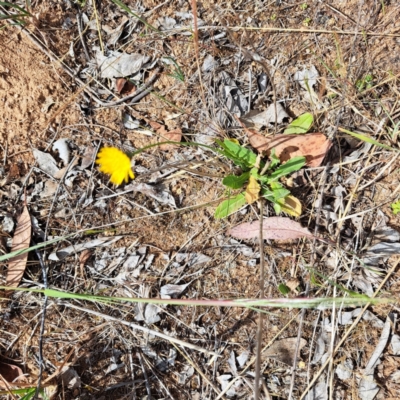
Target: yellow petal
{"x":115,"y":163}
{"x":252,"y":190}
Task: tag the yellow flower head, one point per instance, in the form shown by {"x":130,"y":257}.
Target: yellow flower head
{"x":116,"y":163}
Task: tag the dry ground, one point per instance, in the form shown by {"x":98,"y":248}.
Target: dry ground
{"x":89,"y":349}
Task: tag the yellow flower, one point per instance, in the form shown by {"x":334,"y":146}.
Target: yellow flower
{"x":116,"y":163}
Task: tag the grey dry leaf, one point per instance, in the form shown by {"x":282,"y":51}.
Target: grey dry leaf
{"x":368,"y":388}
{"x":345,"y":369}
{"x":21,"y":241}
{"x":278,"y":228}
{"x":319,"y":391}
{"x":46,"y":162}
{"x":129,"y":122}
{"x":89,"y":155}
{"x":118,"y":65}
{"x":61,"y":145}
{"x":65,"y":252}
{"x":255,"y":119}
{"x":307,"y":78}
{"x":168,"y":291}
{"x":157,"y":192}
{"x":284,"y":350}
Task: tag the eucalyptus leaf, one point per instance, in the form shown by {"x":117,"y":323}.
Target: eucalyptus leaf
{"x":228,"y":207}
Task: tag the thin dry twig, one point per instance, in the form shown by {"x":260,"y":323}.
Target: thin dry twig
{"x":260,"y":315}
{"x":143,"y":329}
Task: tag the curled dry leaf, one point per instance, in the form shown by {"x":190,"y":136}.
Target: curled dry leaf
{"x":312,"y":146}
{"x":278,"y":228}
{"x":124,"y":86}
{"x":21,"y":240}
{"x":11,"y":374}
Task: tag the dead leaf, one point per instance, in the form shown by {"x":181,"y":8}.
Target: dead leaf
{"x":46,"y":162}
{"x":278,"y":228}
{"x":117,"y":64}
{"x":256,"y":119}
{"x":124,"y":86}
{"x":21,"y":240}
{"x":252,"y":190}
{"x":174,"y":136}
{"x":76,"y":248}
{"x":284,"y":350}
{"x":83,"y":259}
{"x":14,"y":172}
{"x":313,"y":146}
{"x":293,"y":284}
{"x":10,"y":373}
{"x":172,"y":291}
{"x":291,"y":205}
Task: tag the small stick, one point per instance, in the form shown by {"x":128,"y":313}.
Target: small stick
{"x":260,"y":315}
{"x":145,"y":375}
{"x":79,"y":23}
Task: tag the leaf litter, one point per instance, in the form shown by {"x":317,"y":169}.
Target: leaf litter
{"x":21,"y":241}
{"x":274,"y":228}
{"x":220,"y":276}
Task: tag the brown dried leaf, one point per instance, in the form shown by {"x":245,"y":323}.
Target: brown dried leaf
{"x":293,"y":284}
{"x":21,"y":240}
{"x":175,"y":136}
{"x":10,"y":373}
{"x":313,"y":146}
{"x":84,"y":256}
{"x":278,"y":228}
{"x":124,"y":86}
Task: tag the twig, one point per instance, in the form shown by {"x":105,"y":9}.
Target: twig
{"x":146,"y":379}
{"x":42,"y":324}
{"x":132,"y":374}
{"x":79,"y":23}
{"x":260,"y":315}
{"x":142,"y":328}
{"x":298,"y":30}
{"x":142,"y":91}
{"x":196,"y":48}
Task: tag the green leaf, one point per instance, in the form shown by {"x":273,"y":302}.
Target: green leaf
{"x":236,"y":182}
{"x":367,"y":139}
{"x":283,"y":289}
{"x":395,"y":207}
{"x":238,"y":154}
{"x":228,"y":207}
{"x":278,"y":191}
{"x":274,"y":159}
{"x":290,"y":166}
{"x":301,"y":124}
